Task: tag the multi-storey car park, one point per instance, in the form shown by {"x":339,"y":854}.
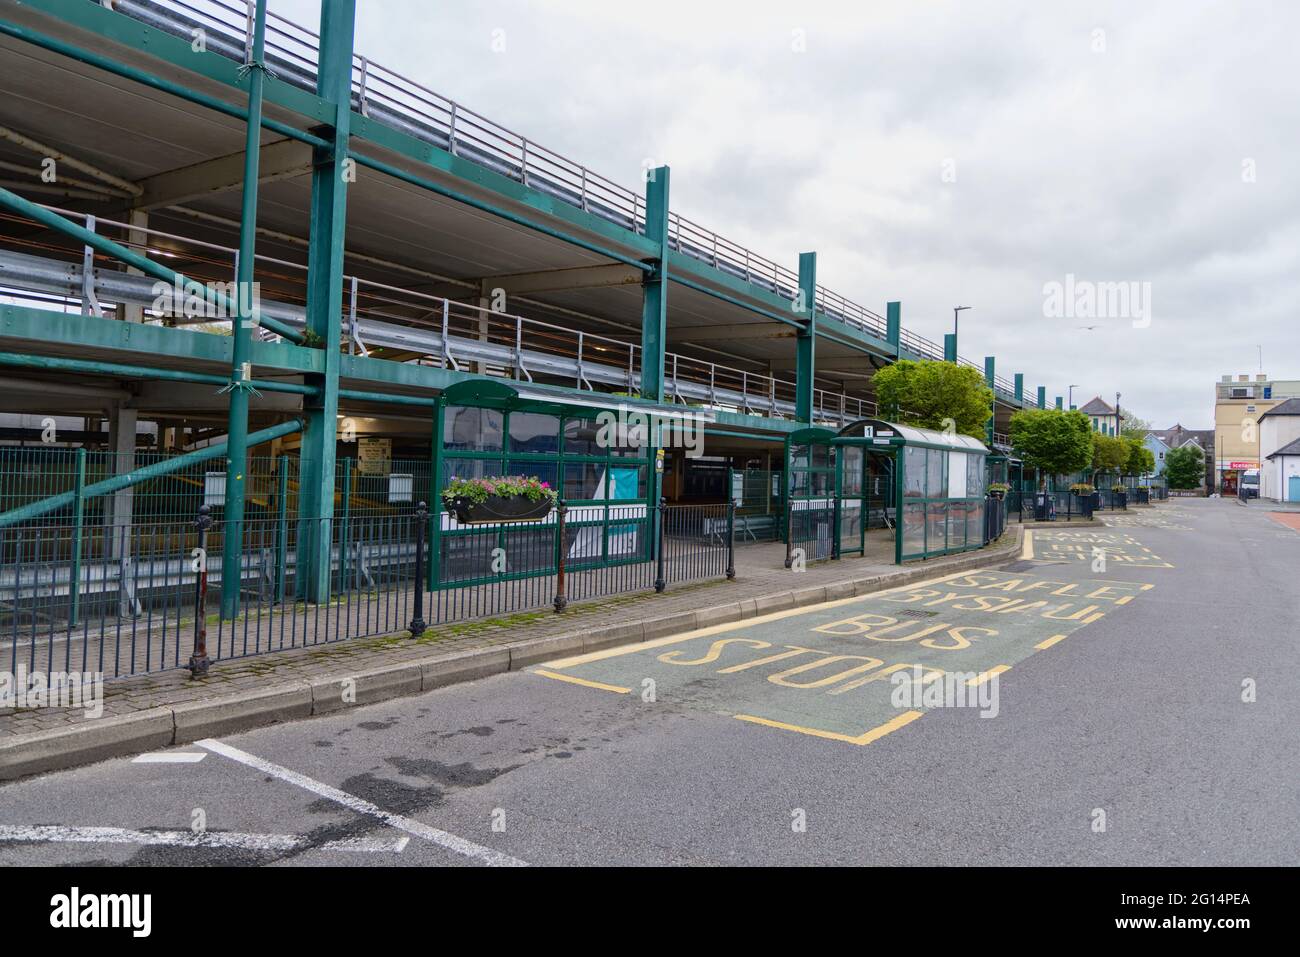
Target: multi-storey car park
{"x":439,"y":296}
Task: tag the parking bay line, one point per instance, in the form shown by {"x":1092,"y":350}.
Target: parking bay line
{"x":170,"y":757}
{"x":63,"y":834}
{"x":875,"y":734}
{"x":433,"y":835}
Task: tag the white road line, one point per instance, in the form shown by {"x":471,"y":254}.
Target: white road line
{"x":170,"y":757}
{"x":61,"y":834}
{"x":433,"y":835}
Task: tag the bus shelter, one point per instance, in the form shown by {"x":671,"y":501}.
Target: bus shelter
{"x":602,"y":454}
{"x":937,"y":500}
{"x":810,"y":493}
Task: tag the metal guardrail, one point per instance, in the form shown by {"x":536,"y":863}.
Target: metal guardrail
{"x":391,"y":98}
{"x":381,"y":316}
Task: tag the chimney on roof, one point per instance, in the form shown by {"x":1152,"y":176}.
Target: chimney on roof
{"x":1243,"y":378}
{"x":1261,"y":378}
{"x":1226,"y":378}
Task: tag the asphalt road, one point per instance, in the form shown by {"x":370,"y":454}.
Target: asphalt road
{"x":1121,"y":735}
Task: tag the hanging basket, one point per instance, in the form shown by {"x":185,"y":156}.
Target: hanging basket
{"x":498,"y":508}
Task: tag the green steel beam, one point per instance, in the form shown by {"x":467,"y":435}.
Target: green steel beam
{"x":154,"y":470}
{"x":1042,"y":396}
{"x":990,"y":379}
{"x":330,"y":175}
{"x":96,"y":367}
{"x":241,"y":331}
{"x":1020,"y":388}
{"x":806,"y":344}
{"x":155,"y":38}
{"x":1060,"y":402}
{"x":654,"y":288}
{"x":161,"y":347}
{"x":949,"y":347}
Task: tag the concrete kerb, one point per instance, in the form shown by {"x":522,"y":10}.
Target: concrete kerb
{"x":160,"y":727}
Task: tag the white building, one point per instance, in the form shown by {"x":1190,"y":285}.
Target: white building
{"x":1279,"y":445}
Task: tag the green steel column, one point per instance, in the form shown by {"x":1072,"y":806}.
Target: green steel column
{"x":1020,"y":387}
{"x":242,"y":330}
{"x":330,"y":174}
{"x":949,"y":347}
{"x":434,"y":536}
{"x":1042,"y":396}
{"x":899,"y":458}
{"x":894,"y":324}
{"x":1059,"y":402}
{"x":805,"y":305}
{"x":990,"y":379}
{"x":78,"y":525}
{"x":654,"y":288}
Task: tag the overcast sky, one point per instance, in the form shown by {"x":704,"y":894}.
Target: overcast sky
{"x":939,"y":154}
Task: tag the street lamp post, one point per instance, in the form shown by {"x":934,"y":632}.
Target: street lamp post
{"x":1070,"y":402}
{"x":955,"y":311}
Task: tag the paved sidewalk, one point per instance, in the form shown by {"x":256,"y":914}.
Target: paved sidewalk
{"x":165,"y":708}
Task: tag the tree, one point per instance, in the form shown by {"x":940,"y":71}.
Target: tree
{"x":1185,"y":467}
{"x":1109,"y":454}
{"x":1138,"y":459}
{"x":935,"y":395}
{"x":1131,"y":425}
{"x":1052,"y":441}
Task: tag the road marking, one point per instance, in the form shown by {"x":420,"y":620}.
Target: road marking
{"x":170,"y":757}
{"x":61,"y":834}
{"x":1028,"y":550}
{"x":1044,"y":645}
{"x":875,"y":734}
{"x":984,"y":676}
{"x":418,"y":829}
{"x":599,"y":686}
{"x":620,"y":650}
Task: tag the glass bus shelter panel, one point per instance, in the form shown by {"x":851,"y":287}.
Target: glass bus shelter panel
{"x":852,"y":502}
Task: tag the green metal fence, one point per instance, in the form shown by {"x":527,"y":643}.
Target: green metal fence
{"x":29,"y":474}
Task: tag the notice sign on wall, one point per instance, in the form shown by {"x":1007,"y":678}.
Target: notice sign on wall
{"x":374,"y":456}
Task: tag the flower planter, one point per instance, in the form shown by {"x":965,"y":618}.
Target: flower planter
{"x":1121,"y":500}
{"x":1085,"y":501}
{"x":498,"y":508}
{"x":1143,"y":497}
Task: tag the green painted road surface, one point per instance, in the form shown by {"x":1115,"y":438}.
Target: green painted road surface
{"x":856,"y":669}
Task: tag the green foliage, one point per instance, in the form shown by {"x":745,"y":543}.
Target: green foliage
{"x":1138,"y":459}
{"x":1131,"y":425}
{"x":1108,"y":453}
{"x":1053,"y":441}
{"x":1185,"y":467}
{"x":934,"y":394}
{"x":1082,"y":488}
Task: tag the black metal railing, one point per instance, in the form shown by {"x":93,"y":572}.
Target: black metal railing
{"x":128,"y":600}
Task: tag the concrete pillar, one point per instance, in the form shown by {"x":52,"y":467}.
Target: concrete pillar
{"x":139,"y":242}
{"x":122,"y":422}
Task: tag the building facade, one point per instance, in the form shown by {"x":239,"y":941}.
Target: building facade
{"x":1279,"y":442}
{"x":1103,"y":416}
{"x":1238,"y":406}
